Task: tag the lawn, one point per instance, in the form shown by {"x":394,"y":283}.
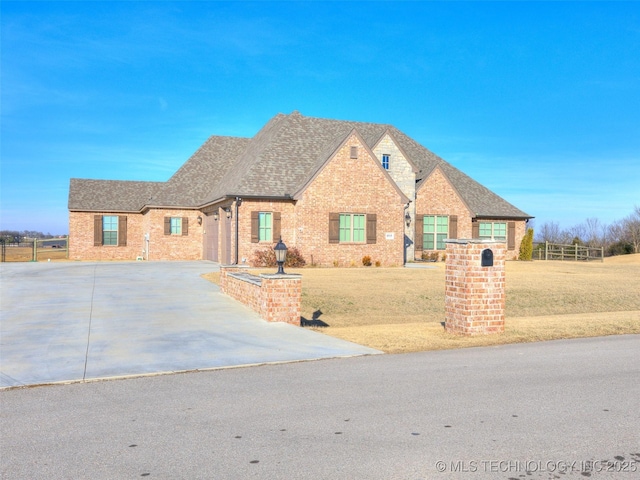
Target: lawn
{"x":402,"y":309}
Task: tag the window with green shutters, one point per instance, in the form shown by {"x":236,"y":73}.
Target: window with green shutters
{"x":492,"y":230}
{"x":435,"y":230}
{"x":265,"y":227}
{"x":352,"y":228}
{"x":110,"y":230}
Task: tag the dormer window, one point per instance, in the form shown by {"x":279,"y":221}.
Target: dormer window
{"x":385,"y":161}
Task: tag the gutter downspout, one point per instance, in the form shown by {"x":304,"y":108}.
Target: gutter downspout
{"x":238,"y":203}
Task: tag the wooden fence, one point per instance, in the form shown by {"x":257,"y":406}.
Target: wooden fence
{"x":557,"y":251}
{"x":37,"y":249}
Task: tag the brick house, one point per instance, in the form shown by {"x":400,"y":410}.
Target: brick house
{"x":336,"y":190}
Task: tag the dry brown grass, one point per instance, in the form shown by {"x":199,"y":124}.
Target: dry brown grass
{"x":25,"y":254}
{"x":401,"y":309}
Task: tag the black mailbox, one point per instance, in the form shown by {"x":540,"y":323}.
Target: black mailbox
{"x":487,"y":258}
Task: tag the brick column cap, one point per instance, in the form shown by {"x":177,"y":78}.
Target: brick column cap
{"x":276,"y":276}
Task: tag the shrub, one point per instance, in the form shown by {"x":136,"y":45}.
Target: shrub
{"x":620,"y":248}
{"x":378,"y":263}
{"x":366,"y":261}
{"x":526,"y":246}
{"x":267,"y":258}
{"x":430,"y":256}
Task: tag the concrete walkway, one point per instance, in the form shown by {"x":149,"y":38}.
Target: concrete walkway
{"x":78,"y":321}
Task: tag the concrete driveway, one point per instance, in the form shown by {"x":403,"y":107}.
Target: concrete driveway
{"x":78,"y":321}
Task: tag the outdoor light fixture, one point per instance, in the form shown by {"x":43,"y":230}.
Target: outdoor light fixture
{"x":407,"y":219}
{"x":216,"y":217}
{"x":281,"y":255}
{"x":199,"y":220}
{"x":228,"y":210}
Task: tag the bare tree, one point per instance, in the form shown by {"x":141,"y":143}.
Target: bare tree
{"x":549,"y":232}
{"x":595,"y":233}
{"x":631,"y":226}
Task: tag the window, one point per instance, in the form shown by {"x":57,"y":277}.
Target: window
{"x":352,"y":227}
{"x":493,"y":230}
{"x":110,"y":230}
{"x":264,"y":227}
{"x":435,"y":230}
{"x":385,"y":161}
{"x":176,"y":226}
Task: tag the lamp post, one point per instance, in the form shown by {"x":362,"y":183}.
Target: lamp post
{"x":281,"y":255}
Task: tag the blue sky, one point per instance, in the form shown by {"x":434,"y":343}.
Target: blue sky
{"x":540,"y":102}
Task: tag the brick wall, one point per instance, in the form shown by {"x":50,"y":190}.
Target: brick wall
{"x":276,"y":298}
{"x":287,"y":228}
{"x":160,"y":247}
{"x":81,"y":245}
{"x":474,"y":295}
{"x":437,"y":196}
{"x":174,"y":247}
{"x":347,"y":185}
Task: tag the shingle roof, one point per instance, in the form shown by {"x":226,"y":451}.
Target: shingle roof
{"x":295,"y":144}
{"x":192,"y":183}
{"x":110,"y":195}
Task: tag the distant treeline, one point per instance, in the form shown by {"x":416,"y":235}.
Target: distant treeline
{"x":619,"y":238}
{"x":14,"y":236}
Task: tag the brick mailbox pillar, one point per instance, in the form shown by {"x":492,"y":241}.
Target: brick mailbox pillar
{"x":474,"y":287}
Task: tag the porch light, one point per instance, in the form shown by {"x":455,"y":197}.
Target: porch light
{"x":199,"y":220}
{"x":216,"y":217}
{"x":228,"y":210}
{"x":281,"y":255}
{"x":407,"y":219}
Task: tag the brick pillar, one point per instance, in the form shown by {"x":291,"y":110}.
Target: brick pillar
{"x":474,"y":294}
{"x":280,"y":298}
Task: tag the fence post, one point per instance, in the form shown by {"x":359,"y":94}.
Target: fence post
{"x":546,"y":250}
{"x":35,"y":250}
{"x":602,"y":254}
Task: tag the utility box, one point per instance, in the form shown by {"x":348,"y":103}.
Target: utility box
{"x":474,"y":286}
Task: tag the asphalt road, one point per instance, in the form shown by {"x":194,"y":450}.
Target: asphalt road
{"x":562,"y":409}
